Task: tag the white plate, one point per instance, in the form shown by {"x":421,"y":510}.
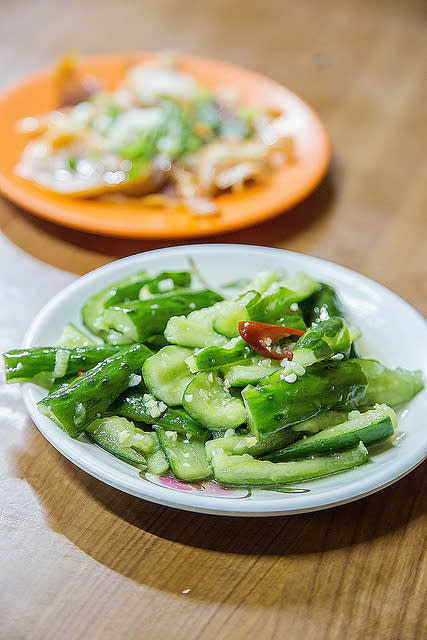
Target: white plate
{"x":393,"y":332}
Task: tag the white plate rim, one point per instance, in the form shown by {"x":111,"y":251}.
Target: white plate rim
{"x":292,"y":504}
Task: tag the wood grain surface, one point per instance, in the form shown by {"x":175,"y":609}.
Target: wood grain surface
{"x":82,"y":561}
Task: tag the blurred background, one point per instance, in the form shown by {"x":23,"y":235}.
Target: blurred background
{"x":359,"y":64}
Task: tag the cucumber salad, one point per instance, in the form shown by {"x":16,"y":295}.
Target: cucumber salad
{"x":262,"y":388}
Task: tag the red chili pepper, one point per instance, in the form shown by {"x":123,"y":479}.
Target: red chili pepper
{"x":256,"y":333}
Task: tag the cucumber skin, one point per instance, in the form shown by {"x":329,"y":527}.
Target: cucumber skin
{"x":281,"y":404}
{"x":22,"y":365}
{"x":188,"y":468}
{"x":335,"y":439}
{"x":131,"y":405}
{"x":127,"y":289}
{"x":211,"y":357}
{"x":75,"y":406}
{"x":150,"y":317}
{"x":322,"y":305}
{"x":246,"y":471}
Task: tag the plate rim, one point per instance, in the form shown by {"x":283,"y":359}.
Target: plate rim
{"x":51,"y":208}
{"x":191,"y":501}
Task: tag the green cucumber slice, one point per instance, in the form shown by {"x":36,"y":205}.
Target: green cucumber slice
{"x":250,"y":371}
{"x":71,"y":336}
{"x":126,"y":289}
{"x":187,"y":457}
{"x":195,"y":330}
{"x":245,"y":470}
{"x":239,"y":445}
{"x":143,"y":407}
{"x":210,"y":403}
{"x":231,"y":312}
{"x":167,"y":375}
{"x":117,"y":435}
{"x":369,"y":427}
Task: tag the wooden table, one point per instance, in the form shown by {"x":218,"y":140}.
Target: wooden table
{"x":83,"y":561}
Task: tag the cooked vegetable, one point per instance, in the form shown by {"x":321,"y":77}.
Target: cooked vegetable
{"x":158,"y":128}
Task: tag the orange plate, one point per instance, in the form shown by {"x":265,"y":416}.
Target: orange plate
{"x":288,"y":186}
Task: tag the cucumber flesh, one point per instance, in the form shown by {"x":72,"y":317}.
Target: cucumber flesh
{"x":231,"y":312}
{"x":210,"y":403}
{"x":239,"y":445}
{"x":369,"y":427}
{"x":71,"y":336}
{"x":320,"y":422}
{"x":390,"y":386}
{"x":167,"y":375}
{"x":186,"y":456}
{"x":245,"y":470}
{"x":195,"y":330}
{"x":262,"y":281}
{"x":117,"y":435}
{"x":250,"y":372}
{"x":143,"y":407}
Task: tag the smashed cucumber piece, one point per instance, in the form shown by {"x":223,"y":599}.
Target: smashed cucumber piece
{"x":143,"y":407}
{"x":215,"y":356}
{"x":231,"y":312}
{"x":249,"y":371}
{"x":277,"y":301}
{"x":234,"y":350}
{"x":73,"y":407}
{"x":194,"y":330}
{"x":167,"y":375}
{"x":138,"y":320}
{"x":369,"y":427}
{"x":389,"y":386}
{"x":186,"y":456}
{"x":293,"y":399}
{"x":26,"y":365}
{"x":126,"y":290}
{"x":71,"y":336}
{"x":262,"y":281}
{"x":208,"y":402}
{"x":129,"y":443}
{"x":239,"y":444}
{"x":245,"y":471}
{"x":117,"y":436}
{"x":320,"y":422}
